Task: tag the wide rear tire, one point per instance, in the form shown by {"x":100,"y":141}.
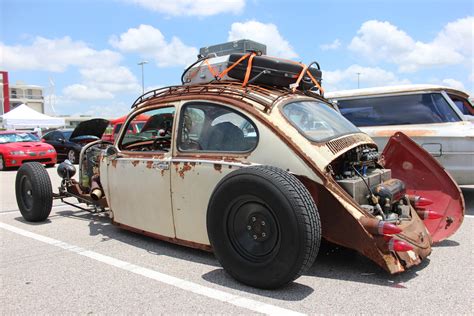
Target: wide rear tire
{"x":263,"y":226}
{"x":34,"y":193}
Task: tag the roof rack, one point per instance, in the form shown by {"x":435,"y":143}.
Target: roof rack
{"x":266,"y":96}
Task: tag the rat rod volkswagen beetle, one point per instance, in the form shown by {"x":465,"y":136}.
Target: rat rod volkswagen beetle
{"x":258,"y":175}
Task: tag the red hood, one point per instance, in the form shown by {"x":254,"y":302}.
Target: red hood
{"x":26,"y":146}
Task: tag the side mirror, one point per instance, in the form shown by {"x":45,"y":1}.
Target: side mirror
{"x":110,"y":151}
{"x":61,"y":140}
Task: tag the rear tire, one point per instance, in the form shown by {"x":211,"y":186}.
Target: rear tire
{"x":263,"y":226}
{"x":34,"y":193}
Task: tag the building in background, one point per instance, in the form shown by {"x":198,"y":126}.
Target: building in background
{"x":30,"y":95}
{"x":12,"y":95}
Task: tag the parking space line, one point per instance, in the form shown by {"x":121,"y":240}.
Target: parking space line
{"x":219,"y":295}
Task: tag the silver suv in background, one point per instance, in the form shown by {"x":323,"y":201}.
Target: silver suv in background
{"x":430,"y":115}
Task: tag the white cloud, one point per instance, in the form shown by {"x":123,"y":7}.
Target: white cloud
{"x":55,"y":55}
{"x":84,"y":92}
{"x":376,"y":40}
{"x":369,"y":77}
{"x":267,"y":34}
{"x":331,"y":46}
{"x":149,"y":42}
{"x":454,"y":84}
{"x":115,"y":110}
{"x":117,"y":79}
{"x":192,"y":7}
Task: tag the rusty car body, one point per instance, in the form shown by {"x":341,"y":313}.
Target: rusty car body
{"x":263,"y":197}
{"x":435,"y":117}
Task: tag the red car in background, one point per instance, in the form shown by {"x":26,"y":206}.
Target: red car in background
{"x":115,"y":125}
{"x":19,"y":147}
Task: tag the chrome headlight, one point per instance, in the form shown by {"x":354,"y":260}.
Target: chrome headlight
{"x":17,"y":152}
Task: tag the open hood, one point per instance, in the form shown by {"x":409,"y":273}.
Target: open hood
{"x":425,"y":177}
{"x":95,"y":127}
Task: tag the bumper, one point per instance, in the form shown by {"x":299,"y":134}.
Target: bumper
{"x":17,"y":161}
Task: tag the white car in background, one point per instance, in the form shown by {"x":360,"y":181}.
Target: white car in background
{"x":433,"y":116}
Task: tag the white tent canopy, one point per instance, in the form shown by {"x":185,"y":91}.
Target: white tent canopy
{"x":25,"y":117}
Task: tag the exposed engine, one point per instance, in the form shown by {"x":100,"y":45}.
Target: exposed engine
{"x":372,"y":187}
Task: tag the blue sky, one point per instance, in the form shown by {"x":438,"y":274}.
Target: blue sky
{"x":90,"y":49}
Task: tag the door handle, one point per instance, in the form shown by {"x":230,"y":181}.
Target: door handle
{"x":162,"y":165}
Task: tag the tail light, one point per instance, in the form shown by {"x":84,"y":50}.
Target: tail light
{"x":386,"y":228}
{"x":378,"y":227}
{"x":418,"y":201}
{"x":428,"y":214}
{"x":398,"y":245}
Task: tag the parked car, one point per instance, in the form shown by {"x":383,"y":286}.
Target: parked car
{"x":17,"y":148}
{"x":258,"y":175}
{"x":68,"y":142}
{"x":428,"y":114}
{"x":115,"y":125}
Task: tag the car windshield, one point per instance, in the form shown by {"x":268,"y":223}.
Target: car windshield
{"x":317,"y":121}
{"x":423,"y":108}
{"x":67,"y":134}
{"x":17,"y":137}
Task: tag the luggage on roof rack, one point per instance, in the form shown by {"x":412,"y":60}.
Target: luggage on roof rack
{"x":273,"y":71}
{"x":264,"y":70}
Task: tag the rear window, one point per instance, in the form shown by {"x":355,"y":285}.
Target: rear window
{"x":398,"y":110}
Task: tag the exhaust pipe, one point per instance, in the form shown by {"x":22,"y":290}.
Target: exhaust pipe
{"x":96,"y":189}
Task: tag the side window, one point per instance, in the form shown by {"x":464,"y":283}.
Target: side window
{"x":47,"y":136}
{"x":215,"y":128}
{"x":155,"y":135}
{"x":56,"y":136}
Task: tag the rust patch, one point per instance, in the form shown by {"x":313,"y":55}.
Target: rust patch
{"x":192,"y":163}
{"x":114,"y":163}
{"x":411,"y":133}
{"x":149,"y":164}
{"x":135,"y":162}
{"x":186,"y":167}
{"x":218,"y":167}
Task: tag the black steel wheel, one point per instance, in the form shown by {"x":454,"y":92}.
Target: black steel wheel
{"x":34,"y":193}
{"x":263,"y":226}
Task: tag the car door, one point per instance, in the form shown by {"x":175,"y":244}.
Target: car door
{"x":212,"y":141}
{"x":138,"y":175}
{"x":56,"y":139}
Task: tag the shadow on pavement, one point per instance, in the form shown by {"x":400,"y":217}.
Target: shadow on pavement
{"x":291,"y":292}
{"x":100,"y":224}
{"x":335,"y":262}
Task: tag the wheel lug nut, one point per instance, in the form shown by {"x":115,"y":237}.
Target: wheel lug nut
{"x":254,"y":236}
{"x":249,"y":227}
{"x":263,"y":223}
{"x":253,"y":219}
{"x":263,"y":234}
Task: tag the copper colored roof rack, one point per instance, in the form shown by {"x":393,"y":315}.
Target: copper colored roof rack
{"x":266,"y":96}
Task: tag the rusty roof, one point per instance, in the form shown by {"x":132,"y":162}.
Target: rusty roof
{"x":266,"y":96}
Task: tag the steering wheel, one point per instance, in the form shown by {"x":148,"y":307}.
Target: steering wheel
{"x":162,"y":144}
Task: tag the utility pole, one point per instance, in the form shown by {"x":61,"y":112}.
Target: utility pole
{"x":358,"y":79}
{"x":143,"y":62}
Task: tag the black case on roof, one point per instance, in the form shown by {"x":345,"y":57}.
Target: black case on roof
{"x":279,"y":72}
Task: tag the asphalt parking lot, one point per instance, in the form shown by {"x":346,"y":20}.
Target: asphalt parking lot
{"x":76,"y":262}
